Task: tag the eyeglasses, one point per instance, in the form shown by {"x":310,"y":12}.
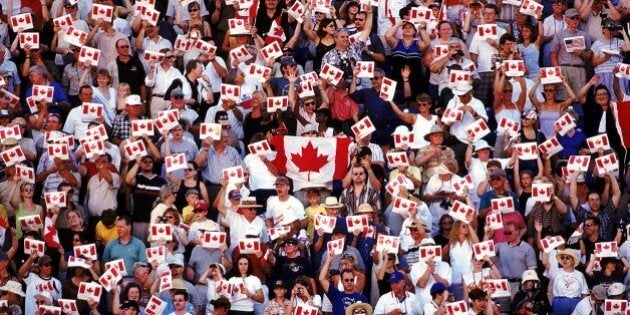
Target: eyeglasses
{"x":359,"y":311}
{"x":178,"y":97}
{"x":601,"y":94}
{"x":193,"y":10}
{"x":361,"y":20}
{"x":174,"y":266}
{"x":565,"y":257}
{"x":348,"y":280}
{"x":179,"y":300}
{"x":413,"y":229}
{"x":190,"y":169}
{"x":76,"y":49}
{"x":447,"y":222}
{"x":423,"y":103}
{"x":28,"y":190}
{"x":331,"y":25}
{"x":70,"y":7}
{"x":123,"y":46}
{"x":376,"y":78}
{"x":358,"y":174}
{"x":309,"y":104}
{"x":226,"y":127}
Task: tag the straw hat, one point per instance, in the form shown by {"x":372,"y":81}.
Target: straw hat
{"x":331,"y":202}
{"x":13,"y":287}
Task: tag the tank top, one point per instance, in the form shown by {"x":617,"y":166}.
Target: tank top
{"x":547,"y":119}
{"x":320,"y":50}
{"x":530,"y":57}
{"x":510,"y":113}
{"x":180,"y":199}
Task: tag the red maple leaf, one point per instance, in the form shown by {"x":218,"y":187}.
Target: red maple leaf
{"x":310,"y":160}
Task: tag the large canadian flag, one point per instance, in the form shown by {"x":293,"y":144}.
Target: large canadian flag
{"x":311,"y":162}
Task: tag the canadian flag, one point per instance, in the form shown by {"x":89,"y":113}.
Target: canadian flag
{"x":117,"y":264}
{"x":527,"y":150}
{"x":606,"y":249}
{"x":156,"y":254}
{"x":495,"y":220}
{"x":213,"y":239}
{"x":403,"y":206}
{"x":110,"y":278}
{"x":484,"y":249}
{"x":259,"y":148}
{"x":598,"y":142}
{"x":457,"y":308}
{"x":579,"y":163}
{"x":461,"y":211}
{"x":542,"y":192}
{"x":49,"y":310}
{"x":504,"y":205}
{"x":305,"y":309}
{"x":336,"y":246}
{"x":326,"y":223}
{"x":387,"y":242}
{"x":500,"y":287}
{"x":89,"y":290}
{"x":161,"y":232}
{"x":249,"y":245}
{"x":271,"y":51}
{"x":32,"y":245}
{"x":430,"y":252}
{"x":551,"y":242}
{"x":50,"y":233}
{"x":155,"y":306}
{"x":564,"y":124}
{"x":311,"y":162}
{"x":615,"y":307}
{"x":69,"y":307}
{"x":356,"y":222}
{"x":276,"y":32}
{"x":550,"y":147}
{"x":88,"y":251}
{"x":395,"y":159}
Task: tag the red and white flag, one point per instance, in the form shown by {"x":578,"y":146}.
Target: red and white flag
{"x":89,"y":54}
{"x":305,"y":309}
{"x":499,"y":287}
{"x":514,"y":68}
{"x":249,"y":245}
{"x":213,"y":239}
{"x":457,"y":76}
{"x":96,"y":132}
{"x":10,"y":132}
{"x":356,"y":223}
{"x":503,"y":205}
{"x":508,"y":125}
{"x":210,"y":130}
{"x":110,"y":278}
{"x":155,"y":306}
{"x":532,"y":8}
{"x":241,"y":54}
{"x":550,"y":147}
{"x":465,"y":183}
{"x":579,"y":163}
{"x":366,"y":69}
{"x":74,"y":261}
{"x":31,"y":222}
{"x":104,"y":12}
{"x":230,"y":92}
{"x":388,"y":89}
{"x":271,"y":51}
{"x":89,"y":290}
{"x":550,"y":242}
{"x":277,"y":102}
{"x":33,"y":245}
{"x":457,"y":308}
{"x":175,"y":162}
{"x":403,"y":206}
{"x":12,"y":99}
{"x":276,"y":32}
{"x":49,"y":310}
{"x":487,"y":31}
{"x":607,"y":163}
{"x":494,"y":220}
{"x":461,"y":211}
{"x":68,"y":307}
{"x":363,"y":128}
{"x":336,"y":246}
{"x":135,"y":149}
{"x":118,"y":264}
{"x":153,"y":55}
{"x":598,"y":142}
{"x":564,"y":124}
{"x":452,"y":115}
{"x":50,"y":233}
{"x":542,"y":192}
{"x":615,"y":307}
{"x":326,"y":223}
{"x":526,"y":151}
{"x":404,"y":139}
{"x":87,"y":251}
{"x":278,"y":231}
{"x":387,"y":242}
{"x":75,"y":36}
{"x":297,"y":11}
{"x":311,"y":162}
{"x":63,"y":21}
{"x":183,"y":43}
{"x":59,"y":150}
{"x":25,"y":173}
{"x":430,"y":253}
{"x":395,"y":159}
{"x":161,"y":232}
{"x":259,"y":148}
{"x":55,"y":199}
{"x":550,"y":75}
{"x":91,"y":111}
{"x":478,"y":130}
{"x":606,"y":249}
{"x":13,"y":156}
{"x":22,"y":21}
{"x":234,"y":174}
{"x":157,"y":254}
{"x":393,"y":186}
{"x":331,"y":73}
{"x":483,"y":249}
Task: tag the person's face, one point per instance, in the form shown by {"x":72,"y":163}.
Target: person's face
{"x":590,"y":227}
{"x":27,"y":192}
{"x":169,"y":59}
{"x":122,"y":48}
{"x":497,"y":182}
{"x":436,"y":138}
{"x":602,"y":97}
{"x":573,"y":22}
{"x":480,"y":304}
{"x":377,"y":80}
{"x":313,"y":199}
{"x":594,"y":201}
{"x":527,"y":122}
{"x":249,"y":213}
{"x":329,"y":28}
{"x":484,"y":154}
{"x":408,"y":29}
{"x":511,"y":233}
{"x":279,"y":291}
{"x":398,"y":287}
{"x":46,"y":269}
{"x":85,"y":95}
{"x":528,"y":285}
{"x":341,"y":40}
{"x":466,"y":98}
{"x":73,"y":219}
{"x":71,"y":9}
{"x":122,"y":228}
{"x":332,"y":212}
{"x":176,"y":270}
{"x":416,"y":233}
{"x":133,"y":294}
{"x":133,"y":111}
{"x":424,"y":107}
{"x":359,"y":20}
{"x":282,"y":189}
{"x":179,"y":302}
{"x":463,"y":229}
{"x":271,"y":4}
{"x":194,"y":11}
{"x":358,"y":175}
{"x":36,"y":77}
{"x":53,"y":123}
{"x":526,"y":180}
{"x":508,"y":47}
{"x":557,"y":7}
{"x":177,"y":132}
{"x":507,"y":92}
{"x":243,"y":264}
{"x":348,"y":281}
{"x":566,"y":261}
{"x":489,"y":15}
{"x":309,"y":105}
{"x":446,"y":224}
{"x":200,"y":214}
{"x":526,"y":32}
{"x":146,"y":165}
{"x":445,"y":30}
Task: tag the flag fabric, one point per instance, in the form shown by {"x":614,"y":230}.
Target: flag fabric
{"x":621,"y":111}
{"x":50,"y":234}
{"x":276,"y":32}
{"x":249,"y":14}
{"x":311,"y":162}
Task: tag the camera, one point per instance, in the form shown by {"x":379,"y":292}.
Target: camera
{"x":163,"y":219}
{"x":446,"y":203}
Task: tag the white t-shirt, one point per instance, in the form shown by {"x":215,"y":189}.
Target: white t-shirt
{"x":275,"y":208}
{"x":584,"y":307}
{"x":434,"y":185}
{"x":239,"y":227}
{"x":484,"y":51}
{"x":212,"y":74}
{"x":389,"y":301}
{"x":240,"y":302}
{"x":421,"y":127}
{"x":259,"y":175}
{"x":458,"y":129}
{"x":569,"y":285}
{"x":32,"y":281}
{"x":423,"y":295}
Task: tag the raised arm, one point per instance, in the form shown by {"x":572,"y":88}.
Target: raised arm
{"x":323,"y":274}
{"x":581,"y":97}
{"x":390,"y":36}
{"x":533,"y":98}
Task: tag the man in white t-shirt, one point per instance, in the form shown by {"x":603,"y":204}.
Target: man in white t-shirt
{"x":424,"y":274}
{"x":281,"y":205}
{"x":596,"y":299}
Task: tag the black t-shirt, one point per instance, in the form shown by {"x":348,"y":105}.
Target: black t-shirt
{"x":288,"y":269}
{"x":144,"y":194}
{"x":131,"y":73}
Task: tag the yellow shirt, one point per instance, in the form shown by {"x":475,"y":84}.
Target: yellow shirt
{"x":310,"y":219}
{"x":187,"y":212}
{"x":103,"y":234}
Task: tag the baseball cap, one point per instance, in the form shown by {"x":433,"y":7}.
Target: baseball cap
{"x":395,"y":277}
{"x":571,"y":12}
{"x":438,"y":287}
{"x":287,"y":61}
{"x":234,"y":194}
{"x":498,"y":173}
{"x":44,"y":260}
{"x":201,"y":204}
{"x":192,"y":191}
{"x":599,"y":292}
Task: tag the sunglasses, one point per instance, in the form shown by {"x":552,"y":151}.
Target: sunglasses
{"x":190,"y":169}
{"x":348,"y":280}
{"x":565,"y":257}
{"x":423,"y":104}
{"x":413,"y":229}
{"x":375,"y":78}
{"x":193,"y":10}
{"x":70,"y":7}
{"x":170,"y":217}
{"x":447,"y":222}
{"x":199,"y":211}
{"x":124,"y":46}
{"x":359,"y":19}
{"x":358,"y":174}
{"x":309,"y":104}
{"x":28,"y":189}
{"x":359,"y":311}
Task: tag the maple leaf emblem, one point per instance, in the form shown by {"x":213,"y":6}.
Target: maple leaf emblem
{"x":310,"y":160}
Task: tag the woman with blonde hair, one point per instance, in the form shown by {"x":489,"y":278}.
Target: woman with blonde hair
{"x":460,"y":252}
{"x":27,"y":206}
{"x":163,"y":202}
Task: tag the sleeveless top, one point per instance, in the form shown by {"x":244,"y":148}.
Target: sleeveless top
{"x":320,"y":50}
{"x":530,"y":57}
{"x":510,"y":113}
{"x":180,"y":199}
{"x":547,"y":118}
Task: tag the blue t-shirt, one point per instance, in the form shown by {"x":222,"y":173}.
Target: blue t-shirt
{"x":341,"y":300}
{"x":571,"y":145}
